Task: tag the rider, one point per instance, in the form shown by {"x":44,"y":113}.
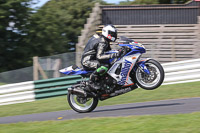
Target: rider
{"x":94,"y":54}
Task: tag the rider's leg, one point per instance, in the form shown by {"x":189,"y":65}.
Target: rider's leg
{"x":95,"y":76}
{"x":90,"y":64}
{"x":100,"y":70}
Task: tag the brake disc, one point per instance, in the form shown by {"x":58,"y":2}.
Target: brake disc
{"x":153,"y":74}
{"x":149,"y":78}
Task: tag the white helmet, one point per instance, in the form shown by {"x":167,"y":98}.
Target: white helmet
{"x":110,"y":32}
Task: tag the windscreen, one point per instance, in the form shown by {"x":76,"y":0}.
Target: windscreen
{"x":124,"y":39}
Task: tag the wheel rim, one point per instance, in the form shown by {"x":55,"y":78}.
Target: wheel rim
{"x":81,"y":103}
{"x":149,"y":80}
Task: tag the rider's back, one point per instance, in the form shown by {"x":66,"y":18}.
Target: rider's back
{"x":92,"y":44}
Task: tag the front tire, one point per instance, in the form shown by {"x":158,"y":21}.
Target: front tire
{"x":154,"y":79}
{"x":81,"y":104}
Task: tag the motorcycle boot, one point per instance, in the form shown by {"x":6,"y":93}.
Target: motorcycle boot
{"x":95,"y":76}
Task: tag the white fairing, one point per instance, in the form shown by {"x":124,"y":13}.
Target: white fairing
{"x":69,"y":69}
{"x":128,"y":62}
{"x":66,"y":69}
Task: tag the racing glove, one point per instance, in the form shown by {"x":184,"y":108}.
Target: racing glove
{"x":118,"y":54}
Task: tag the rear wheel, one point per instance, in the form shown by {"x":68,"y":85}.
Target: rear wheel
{"x":154,"y":79}
{"x":82,"y":104}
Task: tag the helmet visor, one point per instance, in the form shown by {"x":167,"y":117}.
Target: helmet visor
{"x":113,"y":35}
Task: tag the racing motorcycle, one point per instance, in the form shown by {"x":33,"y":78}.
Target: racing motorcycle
{"x":125,"y":74}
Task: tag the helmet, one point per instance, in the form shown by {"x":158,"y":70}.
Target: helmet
{"x":109,"y":32}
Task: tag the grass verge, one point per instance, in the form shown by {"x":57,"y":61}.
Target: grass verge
{"x":179,"y":123}
{"x":2,"y":83}
{"x":185,"y":90}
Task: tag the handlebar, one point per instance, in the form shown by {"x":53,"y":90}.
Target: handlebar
{"x":125,"y":50}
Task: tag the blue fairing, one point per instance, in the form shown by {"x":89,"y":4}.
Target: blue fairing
{"x":135,"y":48}
{"x":81,"y":72}
{"x":70,"y":71}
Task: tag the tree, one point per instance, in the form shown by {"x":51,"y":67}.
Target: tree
{"x":57,"y":25}
{"x":14,"y":17}
{"x":147,"y":2}
{"x":139,"y":2}
{"x":52,"y":29}
{"x":127,"y":2}
{"x":173,"y":1}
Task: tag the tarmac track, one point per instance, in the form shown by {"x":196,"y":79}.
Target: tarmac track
{"x":175,"y":106}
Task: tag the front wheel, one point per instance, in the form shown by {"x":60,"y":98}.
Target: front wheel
{"x":81,"y":104}
{"x":154,"y":79}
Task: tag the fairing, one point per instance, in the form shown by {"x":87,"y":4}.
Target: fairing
{"x":70,"y":71}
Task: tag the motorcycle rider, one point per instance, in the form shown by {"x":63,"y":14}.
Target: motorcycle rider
{"x":94,"y":54}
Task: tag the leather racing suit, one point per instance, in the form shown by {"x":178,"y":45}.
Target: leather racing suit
{"x":94,"y":55}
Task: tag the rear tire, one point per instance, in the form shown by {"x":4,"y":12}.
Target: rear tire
{"x":81,"y":104}
{"x":152,"y":81}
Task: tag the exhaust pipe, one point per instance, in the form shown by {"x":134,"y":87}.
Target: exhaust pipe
{"x":77,"y":91}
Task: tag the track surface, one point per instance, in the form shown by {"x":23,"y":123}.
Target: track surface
{"x":175,"y":106}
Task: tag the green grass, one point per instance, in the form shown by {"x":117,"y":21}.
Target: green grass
{"x":185,"y":90}
{"x":2,"y":83}
{"x":179,"y":123}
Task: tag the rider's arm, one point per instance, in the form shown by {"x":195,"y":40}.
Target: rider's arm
{"x":100,"y":52}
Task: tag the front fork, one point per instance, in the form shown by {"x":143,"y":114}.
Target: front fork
{"x":141,"y":65}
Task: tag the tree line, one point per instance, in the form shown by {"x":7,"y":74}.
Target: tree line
{"x":52,"y":29}
{"x":146,"y":2}
{"x":25,"y":32}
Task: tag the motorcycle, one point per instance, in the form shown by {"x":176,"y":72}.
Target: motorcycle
{"x":125,"y":74}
